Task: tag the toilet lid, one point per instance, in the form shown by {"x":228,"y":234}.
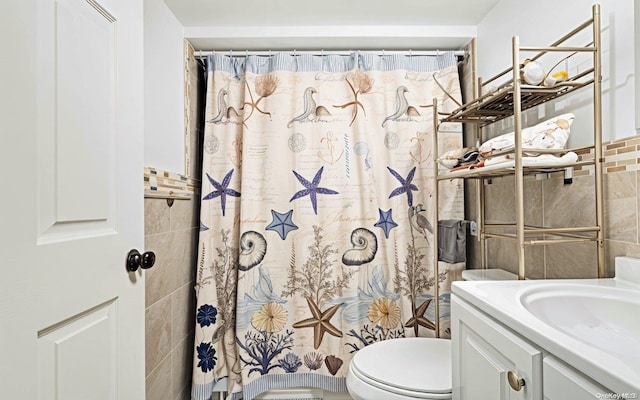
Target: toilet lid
{"x":410,"y":364}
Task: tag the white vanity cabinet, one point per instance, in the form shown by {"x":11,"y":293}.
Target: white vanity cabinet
{"x":486,"y":356}
{"x":485,"y":353}
{"x":561,"y":382}
{"x":566,"y":339}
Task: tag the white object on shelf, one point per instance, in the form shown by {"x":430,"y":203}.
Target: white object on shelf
{"x":473,"y":228}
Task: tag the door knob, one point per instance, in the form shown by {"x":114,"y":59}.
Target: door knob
{"x":136,"y":260}
{"x":148,"y":259}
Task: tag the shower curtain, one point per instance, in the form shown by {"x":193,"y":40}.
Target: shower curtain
{"x":316,"y":214}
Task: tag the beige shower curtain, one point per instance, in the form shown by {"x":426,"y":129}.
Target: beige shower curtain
{"x":317,"y":182}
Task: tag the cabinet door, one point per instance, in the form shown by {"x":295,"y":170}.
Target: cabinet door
{"x":562,"y":382}
{"x":484,"y":352}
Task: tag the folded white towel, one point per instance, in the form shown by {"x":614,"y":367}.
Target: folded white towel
{"x":542,"y":160}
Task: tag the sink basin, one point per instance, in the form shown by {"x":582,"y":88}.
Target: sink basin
{"x":603,"y":317}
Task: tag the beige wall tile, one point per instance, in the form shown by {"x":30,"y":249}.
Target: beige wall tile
{"x":187,"y":271}
{"x":157,"y":333}
{"x":181,"y":361}
{"x":534,"y":262}
{"x":620,"y":202}
{"x":470,"y":212}
{"x":182,"y":313}
{"x":569,"y":205}
{"x":156,"y":216}
{"x":500,"y":200}
{"x":158,"y":383}
{"x":502,"y":254}
{"x":176,"y":252}
{"x":161,"y":280}
{"x":533,"y":206}
{"x":571,"y":261}
{"x":185,"y":214}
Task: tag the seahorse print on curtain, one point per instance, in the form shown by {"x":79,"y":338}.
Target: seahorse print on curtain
{"x":316,"y":216}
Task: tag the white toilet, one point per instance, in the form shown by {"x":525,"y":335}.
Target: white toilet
{"x":408,"y":368}
{"x":401,"y":369}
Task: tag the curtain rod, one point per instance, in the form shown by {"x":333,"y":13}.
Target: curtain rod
{"x":243,"y":53}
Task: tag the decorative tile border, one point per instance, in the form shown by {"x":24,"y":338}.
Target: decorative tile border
{"x":583,"y":155}
{"x":619,"y":155}
{"x":162,"y":184}
{"x":622,"y":154}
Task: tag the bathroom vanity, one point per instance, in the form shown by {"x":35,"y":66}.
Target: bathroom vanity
{"x":554,"y":339}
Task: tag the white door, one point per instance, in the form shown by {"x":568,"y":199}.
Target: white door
{"x":71,"y":199}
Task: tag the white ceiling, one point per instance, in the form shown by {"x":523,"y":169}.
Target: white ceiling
{"x":338,"y":24}
{"x":329,"y":12}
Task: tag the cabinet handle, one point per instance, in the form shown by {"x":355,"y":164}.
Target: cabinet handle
{"x":515,"y":381}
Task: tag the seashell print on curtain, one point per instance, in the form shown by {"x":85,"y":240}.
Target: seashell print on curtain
{"x":316,"y":215}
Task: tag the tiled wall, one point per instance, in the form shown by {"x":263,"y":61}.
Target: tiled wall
{"x":550,"y":202}
{"x":622,"y":200}
{"x":170,"y":232}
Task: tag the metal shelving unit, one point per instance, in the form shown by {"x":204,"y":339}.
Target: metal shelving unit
{"x":510,"y":100}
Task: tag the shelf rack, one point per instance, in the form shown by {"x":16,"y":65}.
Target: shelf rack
{"x":510,"y":100}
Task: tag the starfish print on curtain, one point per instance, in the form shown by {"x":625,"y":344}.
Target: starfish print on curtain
{"x":385,"y":222}
{"x":222,"y":190}
{"x":418,"y":318}
{"x":282,"y":223}
{"x":406,"y":185}
{"x":320,"y":322}
{"x":311,"y":189}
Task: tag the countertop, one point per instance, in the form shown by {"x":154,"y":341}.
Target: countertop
{"x":620,"y":373}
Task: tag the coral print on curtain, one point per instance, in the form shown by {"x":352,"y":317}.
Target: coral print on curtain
{"x":316,"y":217}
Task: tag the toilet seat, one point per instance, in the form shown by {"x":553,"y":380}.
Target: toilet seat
{"x":418,"y":368}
